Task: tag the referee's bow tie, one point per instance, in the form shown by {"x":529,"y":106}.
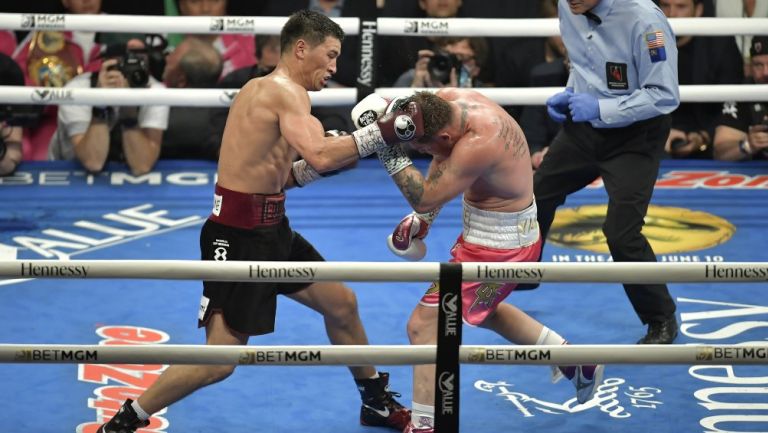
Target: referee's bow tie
{"x":593,"y":17}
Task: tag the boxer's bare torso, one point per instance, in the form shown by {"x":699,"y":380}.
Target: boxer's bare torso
{"x":486,"y":159}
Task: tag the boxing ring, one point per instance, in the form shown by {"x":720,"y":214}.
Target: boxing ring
{"x":72,"y":348}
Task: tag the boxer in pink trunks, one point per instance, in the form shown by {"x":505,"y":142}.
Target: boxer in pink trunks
{"x":480,"y":152}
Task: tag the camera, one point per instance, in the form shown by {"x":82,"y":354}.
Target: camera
{"x":133,"y":64}
{"x":441,"y":64}
{"x":134,"y":68}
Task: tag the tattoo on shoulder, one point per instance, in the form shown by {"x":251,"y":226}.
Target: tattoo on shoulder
{"x":464,"y":115}
{"x":512,"y":137}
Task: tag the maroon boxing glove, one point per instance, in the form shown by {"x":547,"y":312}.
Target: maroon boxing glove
{"x":401,"y":125}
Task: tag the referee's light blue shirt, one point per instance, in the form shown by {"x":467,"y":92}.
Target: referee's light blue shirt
{"x":628,"y":61}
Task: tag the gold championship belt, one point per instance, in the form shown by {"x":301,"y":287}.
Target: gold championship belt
{"x":52,"y":60}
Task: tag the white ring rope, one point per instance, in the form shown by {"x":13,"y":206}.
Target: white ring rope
{"x":156,"y":24}
{"x":526,"y":27}
{"x":327,"y":97}
{"x":533,"y":272}
{"x":383,"y":355}
{"x":492,"y":27}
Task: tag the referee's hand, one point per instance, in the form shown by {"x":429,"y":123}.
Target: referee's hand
{"x":557,"y":105}
{"x":584,"y":107}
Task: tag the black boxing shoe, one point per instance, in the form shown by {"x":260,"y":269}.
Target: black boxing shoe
{"x":660,"y":332}
{"x":124,"y":421}
{"x":379,"y":406}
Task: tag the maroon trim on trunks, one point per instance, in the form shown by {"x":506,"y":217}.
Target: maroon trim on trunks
{"x":246,"y":211}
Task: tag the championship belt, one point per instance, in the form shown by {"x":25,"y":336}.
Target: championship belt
{"x":52,"y":60}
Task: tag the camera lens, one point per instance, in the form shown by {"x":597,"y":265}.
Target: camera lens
{"x":440,"y":66}
{"x":135,"y":70}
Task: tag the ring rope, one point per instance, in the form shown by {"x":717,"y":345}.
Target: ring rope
{"x":327,"y":97}
{"x":753,"y":354}
{"x":499,"y":27}
{"x":153,"y":23}
{"x":525,"y":27}
{"x":522,"y":272}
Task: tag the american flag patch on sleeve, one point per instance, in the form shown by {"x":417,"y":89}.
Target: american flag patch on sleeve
{"x":655,"y":42}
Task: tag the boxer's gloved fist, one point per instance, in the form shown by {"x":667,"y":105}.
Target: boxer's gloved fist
{"x":368,"y":110}
{"x":407,"y":240}
{"x":401,"y":125}
{"x":557,"y":105}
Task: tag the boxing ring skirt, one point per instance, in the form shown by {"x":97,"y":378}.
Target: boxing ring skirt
{"x":701,"y":211}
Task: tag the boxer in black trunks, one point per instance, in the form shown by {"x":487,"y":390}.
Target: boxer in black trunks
{"x":268,"y":126}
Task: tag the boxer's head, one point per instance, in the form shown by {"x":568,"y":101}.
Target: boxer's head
{"x":436,"y":113}
{"x":313,"y":42}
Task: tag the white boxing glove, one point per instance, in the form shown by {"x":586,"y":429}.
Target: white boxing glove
{"x":368,"y":110}
{"x":407,"y":240}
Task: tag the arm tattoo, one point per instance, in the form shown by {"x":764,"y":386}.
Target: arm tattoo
{"x":437,"y":173}
{"x":411,"y":186}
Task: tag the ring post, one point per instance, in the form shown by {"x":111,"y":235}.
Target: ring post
{"x":449,"y":325}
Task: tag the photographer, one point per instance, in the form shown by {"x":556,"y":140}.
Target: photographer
{"x":10,"y":127}
{"x":742,"y":133}
{"x":455,"y":62}
{"x":95,"y":135}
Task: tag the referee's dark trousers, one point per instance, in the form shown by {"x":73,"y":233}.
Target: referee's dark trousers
{"x":628,"y":161}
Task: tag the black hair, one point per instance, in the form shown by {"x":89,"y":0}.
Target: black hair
{"x":312,"y":26}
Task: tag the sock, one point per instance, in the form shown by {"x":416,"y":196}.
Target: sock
{"x":143,"y":416}
{"x":422,"y":415}
{"x":552,"y":338}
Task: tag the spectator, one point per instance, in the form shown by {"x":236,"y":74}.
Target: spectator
{"x":193,"y":64}
{"x":402,"y":52}
{"x":236,"y":50}
{"x":693,"y":123}
{"x":10,"y":133}
{"x":742,"y":9}
{"x":94,"y":135}
{"x":268,"y":54}
{"x":7,"y":42}
{"x":458,"y":63}
{"x":51,"y":59}
{"x":742,"y":133}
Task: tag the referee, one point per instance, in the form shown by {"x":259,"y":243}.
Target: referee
{"x":615,"y":109}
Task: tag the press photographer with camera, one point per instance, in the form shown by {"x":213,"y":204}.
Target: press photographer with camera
{"x":455,"y":62}
{"x":742,"y":132}
{"x":95,"y":135}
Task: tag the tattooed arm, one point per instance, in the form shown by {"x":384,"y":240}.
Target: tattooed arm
{"x":447,"y":178}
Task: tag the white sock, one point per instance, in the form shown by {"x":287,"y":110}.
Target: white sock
{"x":422,"y":415}
{"x":549,"y":337}
{"x":139,"y":411}
{"x":375,"y":376}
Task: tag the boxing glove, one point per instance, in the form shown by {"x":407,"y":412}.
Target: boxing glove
{"x":407,"y":240}
{"x":368,"y":110}
{"x":401,"y":125}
